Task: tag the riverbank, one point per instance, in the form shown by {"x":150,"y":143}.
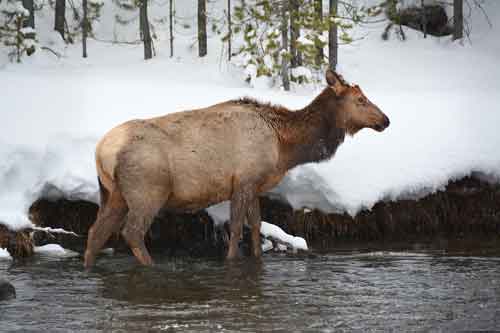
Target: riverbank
{"x":466,"y":208}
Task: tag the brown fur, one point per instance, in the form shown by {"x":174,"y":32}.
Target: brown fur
{"x":233,"y":151}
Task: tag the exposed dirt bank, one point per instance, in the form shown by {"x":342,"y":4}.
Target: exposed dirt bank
{"x":468,"y":207}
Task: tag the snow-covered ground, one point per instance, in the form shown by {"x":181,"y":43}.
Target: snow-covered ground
{"x":441,"y":96}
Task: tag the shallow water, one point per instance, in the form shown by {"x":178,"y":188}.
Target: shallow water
{"x":377,"y":288}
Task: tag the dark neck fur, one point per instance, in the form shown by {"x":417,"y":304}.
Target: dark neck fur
{"x":307,"y":135}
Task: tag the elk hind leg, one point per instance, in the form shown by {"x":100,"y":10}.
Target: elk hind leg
{"x":143,"y":207}
{"x":109,"y":220}
{"x":134,"y":231}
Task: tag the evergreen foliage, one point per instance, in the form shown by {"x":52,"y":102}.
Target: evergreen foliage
{"x":259,"y":22}
{"x":75,"y":26}
{"x":20,"y":40}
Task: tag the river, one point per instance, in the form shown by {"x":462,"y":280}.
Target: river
{"x":374,"y":287}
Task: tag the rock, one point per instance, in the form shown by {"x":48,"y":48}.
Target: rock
{"x":435,"y":21}
{"x":18,"y":243}
{"x":7,"y":290}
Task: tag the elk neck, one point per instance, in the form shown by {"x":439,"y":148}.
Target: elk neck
{"x":312,"y":133}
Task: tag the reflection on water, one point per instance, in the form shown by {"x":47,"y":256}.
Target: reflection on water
{"x":376,"y":288}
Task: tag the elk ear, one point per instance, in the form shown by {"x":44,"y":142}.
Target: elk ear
{"x":335,"y":82}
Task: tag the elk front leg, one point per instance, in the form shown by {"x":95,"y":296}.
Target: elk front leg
{"x":253,"y":218}
{"x":240,"y":201}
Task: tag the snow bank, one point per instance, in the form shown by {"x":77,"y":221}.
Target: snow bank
{"x":274,"y":232}
{"x":4,"y":254}
{"x":441,"y":97}
{"x":55,"y":250}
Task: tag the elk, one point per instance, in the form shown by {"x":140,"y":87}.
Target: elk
{"x":235,"y":150}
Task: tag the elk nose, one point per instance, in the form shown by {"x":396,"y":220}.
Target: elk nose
{"x":387,"y":122}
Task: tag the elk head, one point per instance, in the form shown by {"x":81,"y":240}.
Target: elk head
{"x":354,"y":110}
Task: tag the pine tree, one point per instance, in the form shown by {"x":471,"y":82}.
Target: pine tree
{"x":29,"y":25}
{"x":295,"y":52}
{"x":294,"y":32}
{"x":458,"y":19}
{"x":285,"y":55}
{"x":333,"y":37}
{"x":60,"y":17}
{"x":202,"y":28}
{"x":80,"y":22}
{"x":230,"y":30}
{"x":29,"y":5}
{"x":20,"y":39}
{"x":85,"y":28}
{"x":171,"y":26}
{"x":145,"y":31}
{"x":318,"y":6}
{"x":127,"y":14}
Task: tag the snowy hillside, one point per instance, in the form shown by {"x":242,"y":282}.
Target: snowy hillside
{"x":442,"y":99}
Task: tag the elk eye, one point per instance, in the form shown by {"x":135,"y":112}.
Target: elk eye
{"x":361,"y":100}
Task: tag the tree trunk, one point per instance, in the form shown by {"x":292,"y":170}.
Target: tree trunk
{"x":458,"y":19}
{"x":424,"y":19}
{"x":202,"y":28}
{"x":171,"y":27}
{"x":19,"y":41}
{"x":294,"y":33}
{"x":284,"y":46}
{"x":146,"y":35}
{"x":60,"y":17}
{"x":30,"y":22}
{"x":85,"y":28}
{"x":318,"y":7}
{"x":230,"y":30}
{"x":332,"y":37}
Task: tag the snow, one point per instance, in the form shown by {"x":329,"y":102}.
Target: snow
{"x":4,"y":254}
{"x":302,"y":71}
{"x":274,"y":232}
{"x":267,"y":245}
{"x":14,"y":7}
{"x":55,"y":250}
{"x":304,"y":40}
{"x":54,"y":230}
{"x":27,"y":30}
{"x":220,"y":214}
{"x":441,"y":96}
